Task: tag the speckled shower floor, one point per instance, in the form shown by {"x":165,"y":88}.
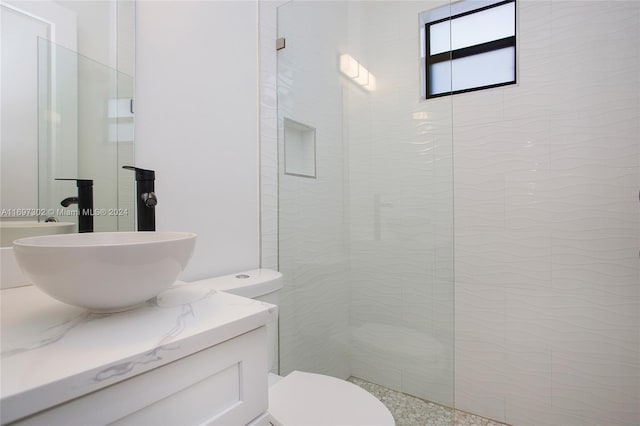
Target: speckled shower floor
{"x":408,"y":410}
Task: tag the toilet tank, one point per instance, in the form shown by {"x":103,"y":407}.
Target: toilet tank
{"x":260,"y":284}
{"x":252,"y":284}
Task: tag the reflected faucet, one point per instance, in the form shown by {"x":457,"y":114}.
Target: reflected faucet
{"x":146,"y":199}
{"x":84,"y":200}
{"x":68,"y":201}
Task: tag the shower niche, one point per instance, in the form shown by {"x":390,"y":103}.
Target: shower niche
{"x":299,"y":149}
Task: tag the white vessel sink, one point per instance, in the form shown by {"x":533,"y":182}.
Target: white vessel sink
{"x":107,"y":271}
{"x":13,"y":230}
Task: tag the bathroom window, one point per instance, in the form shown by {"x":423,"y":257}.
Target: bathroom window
{"x":469,"y":45}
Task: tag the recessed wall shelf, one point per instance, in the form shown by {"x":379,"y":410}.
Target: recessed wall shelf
{"x":299,"y":149}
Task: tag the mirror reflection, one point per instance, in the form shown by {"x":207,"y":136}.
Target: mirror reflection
{"x":67,"y":113}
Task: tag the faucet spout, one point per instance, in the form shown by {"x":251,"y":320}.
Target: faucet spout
{"x":68,"y":201}
{"x":84,"y":200}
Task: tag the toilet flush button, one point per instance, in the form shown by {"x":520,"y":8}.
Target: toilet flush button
{"x":243,"y":276}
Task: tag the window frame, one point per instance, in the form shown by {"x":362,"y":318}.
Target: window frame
{"x":451,"y":55}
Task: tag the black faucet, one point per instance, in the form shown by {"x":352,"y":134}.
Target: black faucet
{"x":84,"y":200}
{"x":146,"y":199}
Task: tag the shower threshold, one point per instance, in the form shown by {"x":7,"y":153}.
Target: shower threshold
{"x":408,"y":410}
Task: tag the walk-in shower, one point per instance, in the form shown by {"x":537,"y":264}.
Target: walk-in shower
{"x":365,"y":245}
{"x":478,"y":250}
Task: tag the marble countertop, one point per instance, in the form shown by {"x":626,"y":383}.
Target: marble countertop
{"x":52,"y":352}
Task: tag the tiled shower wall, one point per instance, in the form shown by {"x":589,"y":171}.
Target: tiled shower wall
{"x":546,"y":214}
{"x":547,"y":224}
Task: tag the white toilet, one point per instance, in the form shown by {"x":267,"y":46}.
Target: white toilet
{"x":303,"y":399}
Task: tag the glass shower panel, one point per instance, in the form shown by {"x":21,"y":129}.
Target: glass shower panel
{"x":313,"y":230}
{"x":57,"y":129}
{"x":366,"y":248}
{"x":85,"y":132}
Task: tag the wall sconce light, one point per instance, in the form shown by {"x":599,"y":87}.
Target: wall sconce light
{"x":349,"y":66}
{"x":356,"y":72}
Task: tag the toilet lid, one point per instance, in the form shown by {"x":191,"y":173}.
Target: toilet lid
{"x":307,"y":399}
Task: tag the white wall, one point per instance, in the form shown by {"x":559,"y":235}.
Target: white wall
{"x":547,"y":224}
{"x":196,"y":114}
{"x":106,"y":31}
{"x":96,"y":29}
{"x":22,"y":22}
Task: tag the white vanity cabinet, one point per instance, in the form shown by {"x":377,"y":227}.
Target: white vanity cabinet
{"x":193,"y":357}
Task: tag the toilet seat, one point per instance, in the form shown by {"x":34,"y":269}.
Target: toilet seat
{"x":307,"y":399}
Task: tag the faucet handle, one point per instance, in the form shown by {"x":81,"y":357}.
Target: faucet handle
{"x":150,"y":199}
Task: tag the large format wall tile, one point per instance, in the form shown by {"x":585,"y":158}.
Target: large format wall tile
{"x":547,"y":225}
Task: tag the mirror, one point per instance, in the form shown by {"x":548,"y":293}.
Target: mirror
{"x":67,"y":98}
